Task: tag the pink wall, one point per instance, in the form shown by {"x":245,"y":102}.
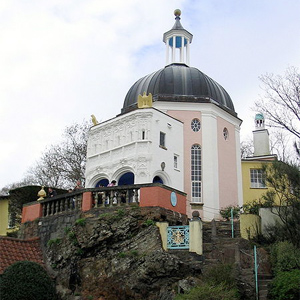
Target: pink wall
{"x":31,"y":212}
{"x":228,"y":185}
{"x":190,"y":138}
{"x":159,"y":196}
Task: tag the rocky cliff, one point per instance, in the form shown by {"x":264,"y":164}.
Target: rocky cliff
{"x":117,"y":254}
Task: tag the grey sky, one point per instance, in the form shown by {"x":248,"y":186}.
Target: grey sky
{"x":62,"y":61}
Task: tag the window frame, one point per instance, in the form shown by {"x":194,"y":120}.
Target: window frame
{"x":196,"y":173}
{"x":257,"y":178}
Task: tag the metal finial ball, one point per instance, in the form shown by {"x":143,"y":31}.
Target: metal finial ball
{"x":177,"y":12}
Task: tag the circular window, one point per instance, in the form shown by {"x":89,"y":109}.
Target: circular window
{"x":225,"y":133}
{"x":195,"y":125}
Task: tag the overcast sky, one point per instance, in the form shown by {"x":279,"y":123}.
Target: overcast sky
{"x":61,"y":61}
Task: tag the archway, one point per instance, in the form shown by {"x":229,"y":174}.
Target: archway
{"x":157,"y":179}
{"x":102,"y":182}
{"x":126,"y":179}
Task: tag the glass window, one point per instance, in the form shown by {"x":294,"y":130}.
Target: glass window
{"x":225,"y":133}
{"x":196,"y":173}
{"x":175,"y":161}
{"x":195,"y":125}
{"x":162,"y":139}
{"x":257,"y":178}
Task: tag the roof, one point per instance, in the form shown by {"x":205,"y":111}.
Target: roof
{"x":13,"y":250}
{"x":179,"y":83}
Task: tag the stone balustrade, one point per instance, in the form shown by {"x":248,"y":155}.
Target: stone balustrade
{"x":154,"y":194}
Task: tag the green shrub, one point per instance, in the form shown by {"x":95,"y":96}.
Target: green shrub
{"x":149,"y":223}
{"x":286,"y":286}
{"x":206,"y":291}
{"x":81,"y":222}
{"x":285,"y":256}
{"x":26,"y":280}
{"x":54,"y":242}
{"x":226,"y":212}
{"x":221,"y":274}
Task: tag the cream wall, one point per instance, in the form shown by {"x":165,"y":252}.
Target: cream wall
{"x":3,"y":216}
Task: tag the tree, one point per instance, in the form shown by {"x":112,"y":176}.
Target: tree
{"x":25,"y":280}
{"x":284,"y":179}
{"x":281,"y":102}
{"x":61,"y":165}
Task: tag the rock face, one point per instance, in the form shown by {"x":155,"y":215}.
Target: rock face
{"x":118,"y":254}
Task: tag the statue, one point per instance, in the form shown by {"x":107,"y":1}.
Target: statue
{"x":94,"y":120}
{"x":145,"y":101}
{"x":41,"y":194}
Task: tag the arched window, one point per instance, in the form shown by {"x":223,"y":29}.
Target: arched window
{"x":157,"y":179}
{"x":196,"y":172}
{"x":102,"y":182}
{"x":126,"y":179}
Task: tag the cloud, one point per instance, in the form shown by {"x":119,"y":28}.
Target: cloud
{"x":63,"y":61}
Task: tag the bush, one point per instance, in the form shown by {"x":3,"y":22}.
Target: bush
{"x":285,"y":256}
{"x":285,"y":286}
{"x":206,"y":291}
{"x":226,"y":212}
{"x":221,"y":274}
{"x":26,"y":280}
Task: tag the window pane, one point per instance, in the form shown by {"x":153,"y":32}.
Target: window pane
{"x":257,"y":178}
{"x":196,"y":173}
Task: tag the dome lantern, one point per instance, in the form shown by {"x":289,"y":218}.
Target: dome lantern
{"x":177,"y":42}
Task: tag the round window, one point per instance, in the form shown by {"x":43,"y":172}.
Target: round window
{"x":195,"y":125}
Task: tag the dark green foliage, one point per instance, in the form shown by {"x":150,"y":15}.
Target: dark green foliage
{"x":206,"y":291}
{"x":26,"y":281}
{"x":221,"y":274}
{"x":286,"y":286}
{"x":284,"y":179}
{"x":226,"y":212}
{"x":149,"y":222}
{"x":218,"y":284}
{"x":54,"y":242}
{"x":285,"y":257}
{"x":81,"y":222}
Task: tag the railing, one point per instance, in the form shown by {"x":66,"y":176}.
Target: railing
{"x":115,"y":196}
{"x":101,"y":197}
{"x":178,"y":237}
{"x":61,"y":203}
{"x":144,"y":195}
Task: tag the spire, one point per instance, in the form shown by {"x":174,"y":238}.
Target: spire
{"x":177,"y":42}
{"x":261,"y":137}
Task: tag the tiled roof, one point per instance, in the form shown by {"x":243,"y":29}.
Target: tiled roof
{"x":13,"y":250}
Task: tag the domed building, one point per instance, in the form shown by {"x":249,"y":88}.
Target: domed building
{"x":178,"y":127}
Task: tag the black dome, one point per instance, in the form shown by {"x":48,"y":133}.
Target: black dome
{"x":180,"y":83}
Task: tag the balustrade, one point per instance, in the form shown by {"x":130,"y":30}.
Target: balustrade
{"x":101,"y":197}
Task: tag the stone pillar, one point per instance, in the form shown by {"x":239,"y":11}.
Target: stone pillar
{"x":163,"y":230}
{"x":87,"y":201}
{"x":196,"y":235}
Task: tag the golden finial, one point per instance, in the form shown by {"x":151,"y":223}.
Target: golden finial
{"x":41,"y":194}
{"x":94,"y":120}
{"x":145,"y":101}
{"x":177,"y":12}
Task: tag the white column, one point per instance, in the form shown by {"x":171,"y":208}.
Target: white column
{"x":182,"y":49}
{"x":173,"y":49}
{"x":188,"y":52}
{"x":167,"y":51}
